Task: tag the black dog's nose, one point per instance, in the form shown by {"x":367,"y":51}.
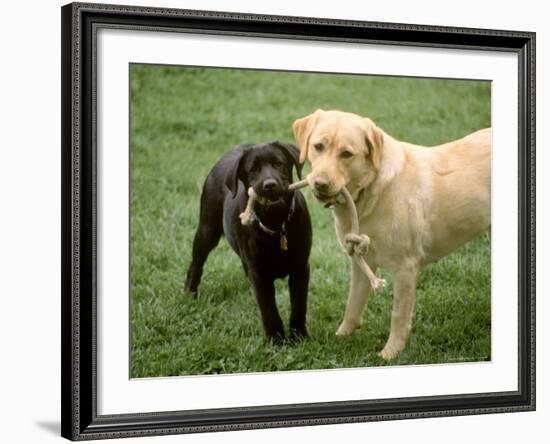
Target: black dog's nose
{"x":321,"y":183}
{"x":269,"y":184}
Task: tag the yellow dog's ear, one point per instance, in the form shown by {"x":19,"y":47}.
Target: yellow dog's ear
{"x":302,"y":130}
{"x":374,"y":140}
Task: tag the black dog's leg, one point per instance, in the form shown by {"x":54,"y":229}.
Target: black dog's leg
{"x":206,"y":239}
{"x":298,"y":281}
{"x":264,"y":290}
{"x":208,"y":234}
{"x":245,"y":267}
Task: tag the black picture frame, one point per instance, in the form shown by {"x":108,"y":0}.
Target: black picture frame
{"x":78,"y":332}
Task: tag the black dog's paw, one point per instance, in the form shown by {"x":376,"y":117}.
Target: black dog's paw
{"x":298,"y":334}
{"x":276,"y":338}
{"x":193,"y":292}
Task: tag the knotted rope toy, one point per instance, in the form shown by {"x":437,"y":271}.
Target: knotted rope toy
{"x":355,"y":243}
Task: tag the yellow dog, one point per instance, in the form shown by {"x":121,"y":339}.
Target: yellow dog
{"x":416,"y":204}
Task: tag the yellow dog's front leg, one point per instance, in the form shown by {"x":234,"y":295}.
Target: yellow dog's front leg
{"x":404,"y":294}
{"x":357,"y":300}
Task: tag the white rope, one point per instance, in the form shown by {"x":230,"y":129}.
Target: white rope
{"x":360,"y":244}
{"x":247,"y":216}
{"x":355,"y":243}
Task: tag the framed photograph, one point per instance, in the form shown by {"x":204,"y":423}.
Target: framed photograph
{"x":273,"y":221}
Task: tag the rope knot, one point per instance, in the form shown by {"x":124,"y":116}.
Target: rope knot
{"x":356,"y":244}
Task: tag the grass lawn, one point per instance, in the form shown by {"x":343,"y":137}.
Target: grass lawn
{"x":182,"y":121}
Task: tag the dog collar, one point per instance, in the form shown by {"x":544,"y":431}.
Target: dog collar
{"x":282,"y":232}
{"x":333,"y":204}
{"x":359,"y":195}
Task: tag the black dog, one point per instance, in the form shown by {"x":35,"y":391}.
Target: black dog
{"x":277,"y":244}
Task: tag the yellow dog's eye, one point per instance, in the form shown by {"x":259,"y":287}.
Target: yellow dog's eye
{"x":346,"y":154}
{"x":319,"y":147}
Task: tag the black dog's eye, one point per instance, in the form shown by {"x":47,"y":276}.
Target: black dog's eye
{"x":254,"y":168}
{"x":346,"y":154}
{"x":277,"y":163}
{"x":319,"y":147}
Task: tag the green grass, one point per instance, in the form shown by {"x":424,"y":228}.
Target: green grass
{"x":182,"y":120}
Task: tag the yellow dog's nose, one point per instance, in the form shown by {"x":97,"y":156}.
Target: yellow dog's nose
{"x":321,"y":183}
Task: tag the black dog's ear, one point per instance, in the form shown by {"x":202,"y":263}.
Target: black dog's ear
{"x":235,"y":172}
{"x":293,"y":154}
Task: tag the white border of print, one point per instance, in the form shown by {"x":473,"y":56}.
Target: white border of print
{"x":118,"y":394}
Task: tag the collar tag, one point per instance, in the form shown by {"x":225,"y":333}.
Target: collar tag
{"x":283,"y":242}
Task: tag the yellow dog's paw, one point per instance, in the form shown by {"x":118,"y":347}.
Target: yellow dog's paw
{"x":390,"y":351}
{"x":347,"y":328}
